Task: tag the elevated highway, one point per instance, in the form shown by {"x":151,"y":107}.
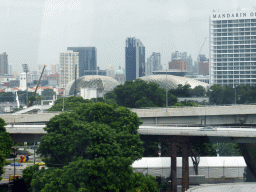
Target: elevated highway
{"x":159,"y":121}
{"x":210,"y":115}
{"x":34,"y":131}
{"x":213,"y":122}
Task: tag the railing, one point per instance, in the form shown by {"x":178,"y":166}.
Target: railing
{"x":199,"y":132}
{"x":199,"y":106}
{"x":235,"y":131}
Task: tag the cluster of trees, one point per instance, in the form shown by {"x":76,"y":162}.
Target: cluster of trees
{"x":5,"y":145}
{"x":135,"y":94}
{"x":139,"y":93}
{"x":91,"y":148}
{"x":201,"y":148}
{"x":241,"y":94}
{"x":7,"y":97}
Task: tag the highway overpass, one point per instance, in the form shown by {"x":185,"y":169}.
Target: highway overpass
{"x":34,"y":132}
{"x":159,"y":121}
{"x":210,"y":115}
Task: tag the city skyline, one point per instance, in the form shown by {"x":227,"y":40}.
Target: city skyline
{"x":37,"y":31}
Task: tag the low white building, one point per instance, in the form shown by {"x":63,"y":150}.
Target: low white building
{"x":89,"y":93}
{"x":210,"y":167}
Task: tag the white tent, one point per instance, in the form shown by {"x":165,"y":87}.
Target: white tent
{"x":211,"y":167}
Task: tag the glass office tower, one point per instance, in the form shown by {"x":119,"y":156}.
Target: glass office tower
{"x":134,"y":59}
{"x":233,"y":48}
{"x":87,"y":59}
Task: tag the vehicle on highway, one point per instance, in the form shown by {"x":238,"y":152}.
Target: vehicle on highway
{"x":207,"y":128}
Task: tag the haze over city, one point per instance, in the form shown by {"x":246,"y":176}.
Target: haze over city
{"x":34,"y":32}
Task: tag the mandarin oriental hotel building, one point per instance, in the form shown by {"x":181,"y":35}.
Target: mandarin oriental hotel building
{"x":233,"y":48}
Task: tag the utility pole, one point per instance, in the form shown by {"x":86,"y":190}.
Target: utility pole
{"x":75,"y":80}
{"x":234,"y":87}
{"x":63,"y":77}
{"x":166,"y":97}
{"x":25,"y":69}
{"x":34,"y":153}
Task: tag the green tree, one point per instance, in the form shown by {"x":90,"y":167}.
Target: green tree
{"x":110,"y":95}
{"x":92,"y":148}
{"x":144,"y":102}
{"x":5,"y":145}
{"x":27,"y":175}
{"x":142,"y":183}
{"x":39,"y":98}
{"x":32,"y":99}
{"x":181,"y":91}
{"x":228,"y":149}
{"x":70,"y":135}
{"x":23,"y":96}
{"x":7,"y":97}
{"x":101,"y":174}
{"x":221,"y":95}
{"x":70,"y":103}
{"x":199,"y":91}
{"x":138,"y":93}
{"x":48,"y":94}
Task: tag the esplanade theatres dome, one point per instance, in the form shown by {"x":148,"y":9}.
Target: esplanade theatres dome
{"x":91,"y":81}
{"x":172,"y":82}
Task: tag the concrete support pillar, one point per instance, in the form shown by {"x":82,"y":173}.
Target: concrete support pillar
{"x":185,"y":167}
{"x":174,"y":166}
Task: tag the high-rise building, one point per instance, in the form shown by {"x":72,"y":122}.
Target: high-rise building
{"x":10,"y":69}
{"x":202,"y":65}
{"x":111,"y":71}
{"x":233,"y":48}
{"x":68,"y":63}
{"x":153,"y":63}
{"x":3,"y":64}
{"x":134,"y":59}
{"x":55,"y":68}
{"x":87,"y":59}
{"x":178,"y":65}
{"x":183,"y":56}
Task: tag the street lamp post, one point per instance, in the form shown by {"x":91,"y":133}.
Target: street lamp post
{"x":166,"y":97}
{"x":62,"y":73}
{"x":25,"y":69}
{"x":104,"y":99}
{"x":15,"y":153}
{"x":235,"y":95}
{"x":75,"y":80}
{"x":234,"y":87}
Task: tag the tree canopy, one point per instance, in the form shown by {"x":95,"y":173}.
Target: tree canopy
{"x":91,"y":148}
{"x":240,"y":94}
{"x":139,"y":93}
{"x":70,"y":103}
{"x":48,"y":93}
{"x":71,"y":135}
{"x":5,"y":145}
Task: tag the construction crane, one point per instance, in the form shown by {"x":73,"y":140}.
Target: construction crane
{"x":201,"y":49}
{"x":31,"y":102}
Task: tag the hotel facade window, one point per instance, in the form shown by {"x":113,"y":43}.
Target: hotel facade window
{"x":233,"y":48}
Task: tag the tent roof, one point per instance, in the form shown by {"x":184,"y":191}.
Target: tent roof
{"x":164,"y":162}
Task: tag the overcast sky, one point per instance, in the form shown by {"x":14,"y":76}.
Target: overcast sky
{"x":35,"y":31}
